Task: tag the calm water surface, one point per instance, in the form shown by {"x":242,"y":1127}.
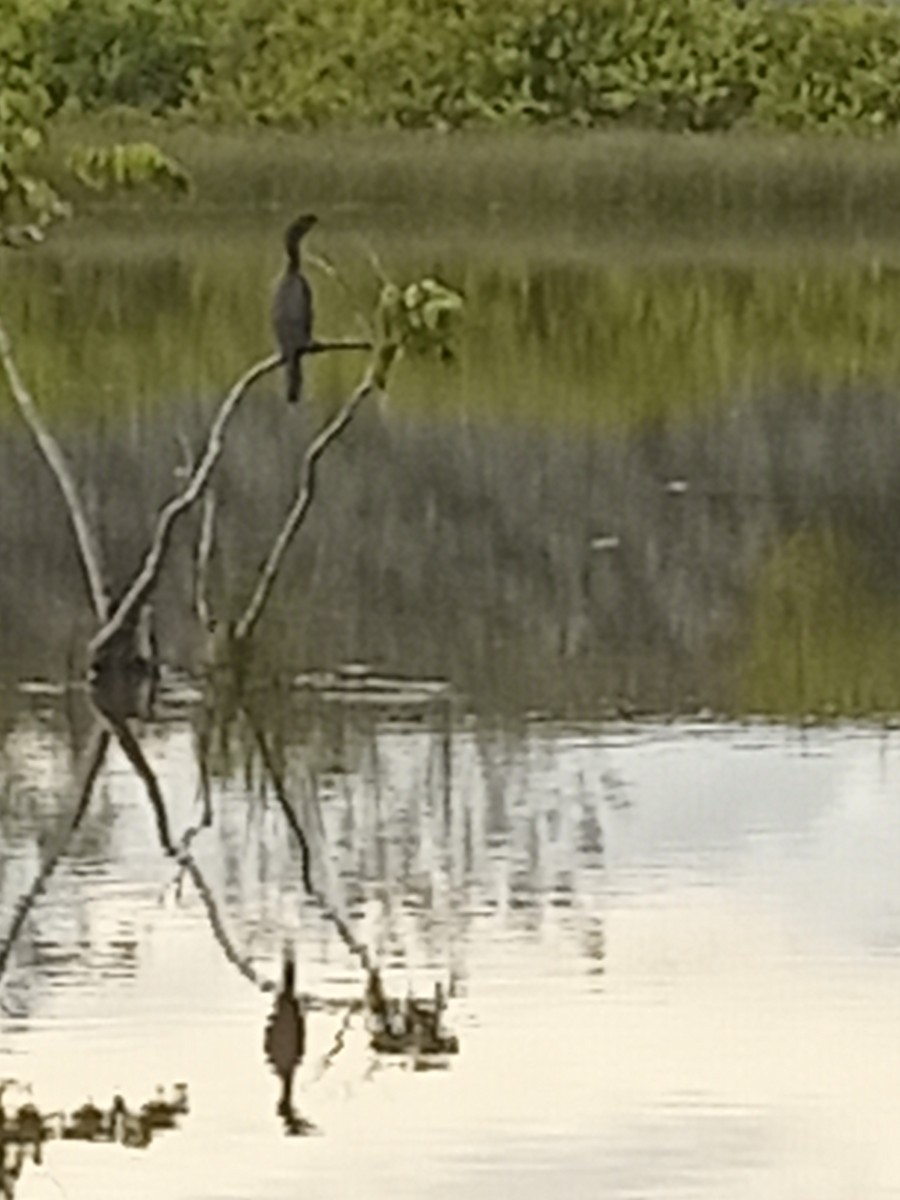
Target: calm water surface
{"x":675,"y":953}
{"x":649,"y":488}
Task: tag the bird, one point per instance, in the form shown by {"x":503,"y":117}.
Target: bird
{"x":292,"y":308}
{"x":285,"y":1037}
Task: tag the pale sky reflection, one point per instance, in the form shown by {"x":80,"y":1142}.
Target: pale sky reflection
{"x":740,"y":1040}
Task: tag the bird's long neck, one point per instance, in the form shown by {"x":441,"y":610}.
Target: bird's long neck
{"x":287,"y":976}
{"x":293,"y":258}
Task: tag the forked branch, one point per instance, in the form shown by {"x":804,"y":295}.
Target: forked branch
{"x":304,"y":497}
{"x":144,"y":581}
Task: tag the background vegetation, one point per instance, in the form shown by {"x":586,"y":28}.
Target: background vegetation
{"x":673,"y":64}
{"x":560,"y":340}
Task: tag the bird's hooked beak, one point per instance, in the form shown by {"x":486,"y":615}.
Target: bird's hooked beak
{"x":297,"y":230}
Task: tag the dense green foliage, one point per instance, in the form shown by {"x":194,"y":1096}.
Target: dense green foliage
{"x":678,"y":64}
{"x":28,"y":201}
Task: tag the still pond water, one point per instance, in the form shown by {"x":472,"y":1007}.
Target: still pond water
{"x":644,"y":527}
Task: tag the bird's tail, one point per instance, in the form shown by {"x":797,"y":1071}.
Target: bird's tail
{"x":294,"y":371}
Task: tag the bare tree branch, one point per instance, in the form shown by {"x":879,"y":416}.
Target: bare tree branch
{"x":328,"y":268}
{"x":88,"y":549}
{"x":204,"y":553}
{"x":305,"y":493}
{"x":144,"y":581}
{"x":338,"y":344}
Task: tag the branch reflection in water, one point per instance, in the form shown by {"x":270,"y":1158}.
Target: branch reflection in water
{"x":393,"y":1028}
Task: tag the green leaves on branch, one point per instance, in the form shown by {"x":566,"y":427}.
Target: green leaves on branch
{"x":419,"y":318}
{"x":127,"y":166}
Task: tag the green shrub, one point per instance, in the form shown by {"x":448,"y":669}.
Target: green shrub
{"x":671,"y":64}
{"x":834,"y":66}
{"x":668,"y":64}
{"x":139,"y":53}
{"x":27,"y":203}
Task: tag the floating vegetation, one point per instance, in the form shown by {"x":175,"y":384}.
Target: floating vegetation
{"x":354,"y":685}
{"x":413,"y":1026}
{"x":24,"y":1131}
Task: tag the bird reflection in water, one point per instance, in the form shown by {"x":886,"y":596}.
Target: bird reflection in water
{"x":285,"y":1044}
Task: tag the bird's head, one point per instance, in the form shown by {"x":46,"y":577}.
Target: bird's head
{"x":298,"y":230}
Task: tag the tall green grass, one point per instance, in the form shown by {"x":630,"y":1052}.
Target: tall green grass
{"x":534,"y":182}
{"x":819,"y":639}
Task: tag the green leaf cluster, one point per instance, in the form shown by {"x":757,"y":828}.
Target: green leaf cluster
{"x":420,"y":317}
{"x":822,"y":639}
{"x":127,"y":165}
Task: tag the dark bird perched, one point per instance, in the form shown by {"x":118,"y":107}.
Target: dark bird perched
{"x":292,"y":308}
{"x":285,"y":1040}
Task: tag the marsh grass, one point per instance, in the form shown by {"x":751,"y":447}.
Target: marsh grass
{"x":623,"y":184}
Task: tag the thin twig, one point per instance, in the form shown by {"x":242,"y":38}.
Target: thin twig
{"x":204,"y":553}
{"x":375,"y":263}
{"x":144,"y":581}
{"x":328,"y":268}
{"x":94,"y":761}
{"x":305,"y":492}
{"x":88,"y":549}
{"x":329,"y":1058}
